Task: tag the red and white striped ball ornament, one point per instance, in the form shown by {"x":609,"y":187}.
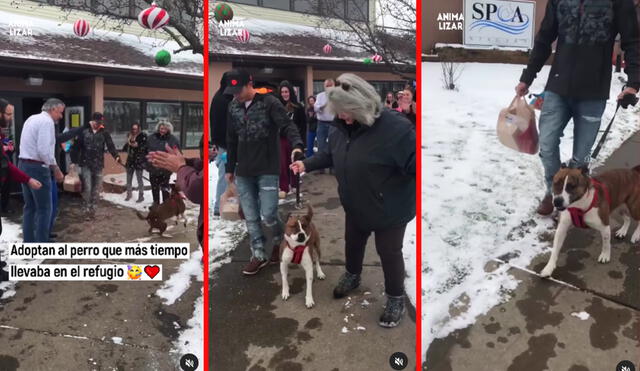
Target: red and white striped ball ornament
{"x":327,"y":49}
{"x":153,"y":17}
{"x":244,"y":36}
{"x":377,"y":58}
{"x":81,"y":28}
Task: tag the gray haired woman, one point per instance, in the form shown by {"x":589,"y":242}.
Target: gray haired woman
{"x":373,"y":152}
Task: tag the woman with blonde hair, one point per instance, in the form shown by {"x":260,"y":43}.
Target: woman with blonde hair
{"x":373,"y":152}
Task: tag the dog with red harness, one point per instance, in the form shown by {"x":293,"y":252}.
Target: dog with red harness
{"x":588,"y":202}
{"x":301,"y":245}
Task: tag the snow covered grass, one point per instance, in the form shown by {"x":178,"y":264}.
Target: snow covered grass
{"x":478,"y":196}
{"x":224,"y":235}
{"x":11,"y":233}
{"x":409,"y":253}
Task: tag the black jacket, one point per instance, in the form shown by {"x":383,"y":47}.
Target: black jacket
{"x":312,"y":120}
{"x":92,"y":146}
{"x":157,"y":142}
{"x":136,"y":156}
{"x":253,"y":141}
{"x":294,"y":109}
{"x":375,"y":168}
{"x":218,"y":115}
{"x":585,"y":31}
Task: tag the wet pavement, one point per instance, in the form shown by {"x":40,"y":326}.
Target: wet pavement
{"x":252,"y":328}
{"x":96,"y":325}
{"x":588,"y":321}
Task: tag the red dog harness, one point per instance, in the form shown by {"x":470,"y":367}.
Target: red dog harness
{"x":577,"y":215}
{"x":297,"y":253}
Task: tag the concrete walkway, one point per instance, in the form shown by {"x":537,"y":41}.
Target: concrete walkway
{"x":71,"y":325}
{"x":252,"y":328}
{"x":539,"y":327}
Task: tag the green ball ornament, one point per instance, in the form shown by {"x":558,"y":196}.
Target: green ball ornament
{"x":367,"y":61}
{"x":163,"y":58}
{"x":223,"y":12}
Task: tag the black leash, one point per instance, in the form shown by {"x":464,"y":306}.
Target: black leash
{"x":596,"y":151}
{"x":298,"y":203}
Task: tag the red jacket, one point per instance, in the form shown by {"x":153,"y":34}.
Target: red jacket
{"x":14,"y":173}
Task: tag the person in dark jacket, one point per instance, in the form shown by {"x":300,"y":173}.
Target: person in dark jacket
{"x":92,"y":143}
{"x":136,"y":148}
{"x":373,"y":151}
{"x":218,"y":126}
{"x":158,"y":177}
{"x":580,"y":77}
{"x":255,"y":122}
{"x":296,"y":113}
{"x":312,"y":125}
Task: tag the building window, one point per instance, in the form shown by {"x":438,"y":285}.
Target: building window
{"x":358,"y":10}
{"x":119,"y":116}
{"x":277,"y":4}
{"x":193,"y":125}
{"x":250,"y":2}
{"x":162,"y":111}
{"x":305,"y":6}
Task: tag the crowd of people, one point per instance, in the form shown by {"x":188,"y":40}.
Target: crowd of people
{"x":260,"y":145}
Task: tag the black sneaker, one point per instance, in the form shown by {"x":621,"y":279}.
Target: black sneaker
{"x":393,"y":312}
{"x":347,"y":283}
{"x":254,"y":266}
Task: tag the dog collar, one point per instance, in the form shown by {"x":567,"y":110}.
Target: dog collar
{"x":297,"y":253}
{"x":577,"y":214}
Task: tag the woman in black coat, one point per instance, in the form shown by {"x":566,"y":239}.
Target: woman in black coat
{"x":136,"y":148}
{"x":158,"y":177}
{"x":297,"y":114}
{"x":373,"y":152}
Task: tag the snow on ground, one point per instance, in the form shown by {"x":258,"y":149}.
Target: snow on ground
{"x":224,"y":235}
{"x":479,"y":197}
{"x":581,"y":315}
{"x":409,"y":253}
{"x":191,"y":340}
{"x":11,"y":233}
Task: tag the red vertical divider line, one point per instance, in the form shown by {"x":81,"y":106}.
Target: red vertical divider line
{"x":419,"y":185}
{"x":207,"y":134}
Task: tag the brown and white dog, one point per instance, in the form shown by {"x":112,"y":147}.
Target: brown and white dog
{"x":301,"y":245}
{"x":588,"y":202}
{"x":173,"y":207}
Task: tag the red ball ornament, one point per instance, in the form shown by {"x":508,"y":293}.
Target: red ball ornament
{"x":153,"y":17}
{"x":377,"y":58}
{"x":81,"y":28}
{"x":327,"y":49}
{"x":244,"y":36}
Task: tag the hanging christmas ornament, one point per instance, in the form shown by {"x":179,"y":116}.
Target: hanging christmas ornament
{"x":367,"y":61}
{"x":223,"y":12}
{"x":81,"y":28}
{"x":243,"y":36}
{"x":327,"y":49}
{"x":377,"y":58}
{"x":153,"y":17}
{"x":163,"y":58}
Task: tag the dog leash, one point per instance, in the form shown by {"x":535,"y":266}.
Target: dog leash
{"x":596,"y":151}
{"x":298,"y":203}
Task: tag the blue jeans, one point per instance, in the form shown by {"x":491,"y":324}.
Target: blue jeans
{"x":259,"y":196}
{"x":556,"y":112}
{"x":36,"y":218}
{"x":54,"y":203}
{"x":323,"y":135}
{"x":222,"y":182}
{"x":311,"y":137}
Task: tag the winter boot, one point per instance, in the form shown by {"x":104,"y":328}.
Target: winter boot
{"x":393,"y":312}
{"x":347,"y":283}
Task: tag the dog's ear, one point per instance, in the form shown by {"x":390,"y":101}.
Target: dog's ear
{"x":309,"y":212}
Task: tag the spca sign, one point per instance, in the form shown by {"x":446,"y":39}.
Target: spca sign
{"x":499,"y":23}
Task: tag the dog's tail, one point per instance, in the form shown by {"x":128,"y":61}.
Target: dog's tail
{"x":139,"y":214}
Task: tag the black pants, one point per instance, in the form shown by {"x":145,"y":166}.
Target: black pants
{"x":159,"y":182}
{"x":389,"y":248}
{"x":5,"y":194}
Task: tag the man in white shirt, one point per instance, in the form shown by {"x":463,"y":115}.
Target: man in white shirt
{"x":324,"y":114}
{"x":37,"y":159}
